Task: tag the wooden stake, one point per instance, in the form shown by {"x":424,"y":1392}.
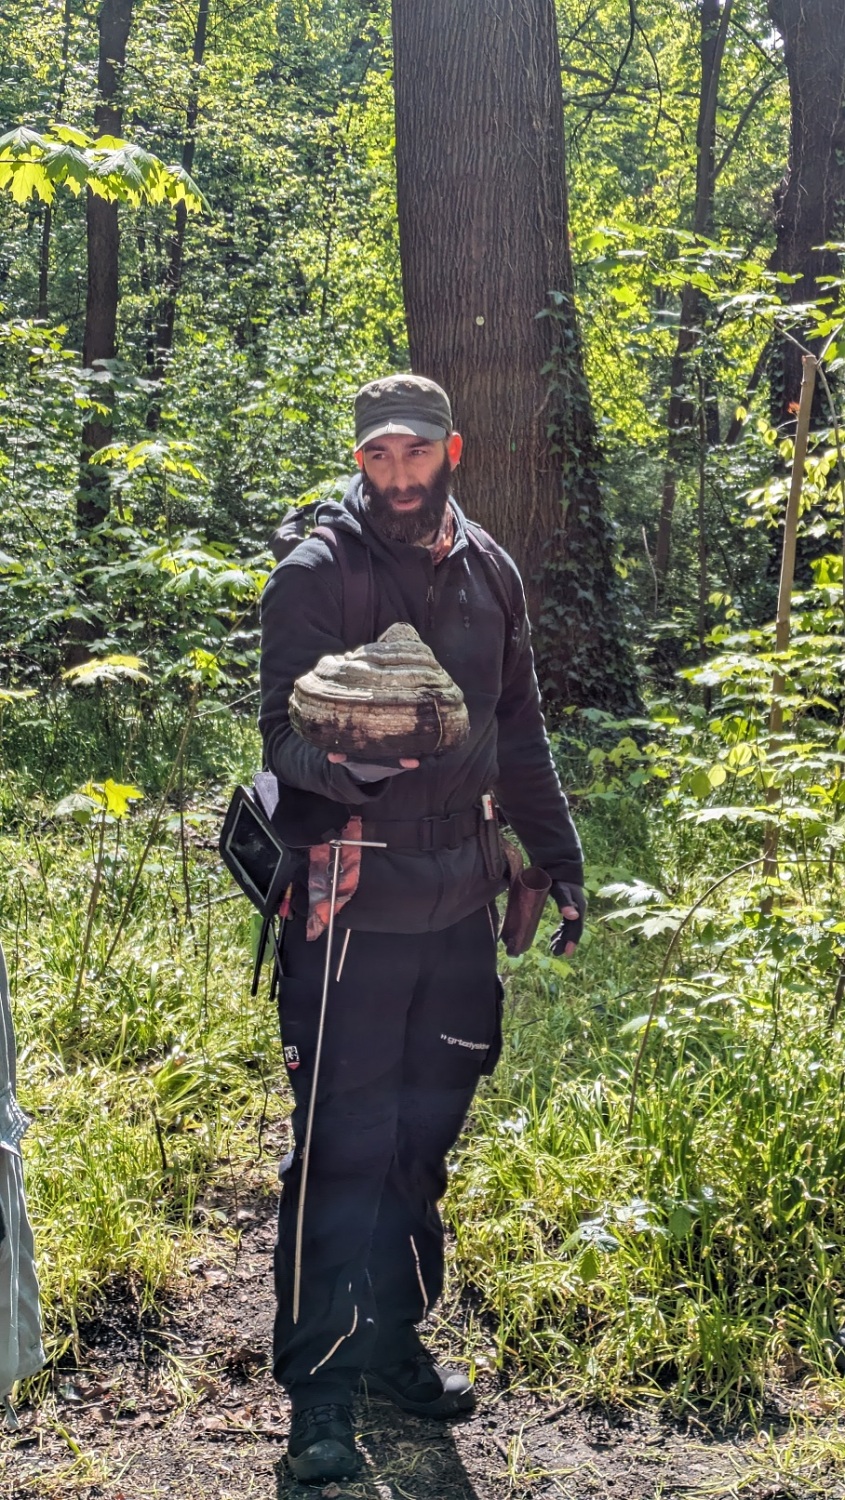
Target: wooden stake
{"x":787,"y":576}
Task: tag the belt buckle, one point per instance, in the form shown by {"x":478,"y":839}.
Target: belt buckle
{"x":453,"y":830}
{"x":426,"y":827}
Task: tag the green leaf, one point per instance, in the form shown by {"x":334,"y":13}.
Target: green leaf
{"x":114,"y":796}
{"x":700,"y":785}
{"x":78,"y":806}
{"x":32,"y":165}
{"x":639,"y":1024}
{"x":589,"y":1265}
{"x":106,"y":669}
{"x":680,"y":1222}
{"x":625,"y":295}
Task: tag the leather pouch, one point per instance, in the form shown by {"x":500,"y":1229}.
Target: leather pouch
{"x":526,"y":899}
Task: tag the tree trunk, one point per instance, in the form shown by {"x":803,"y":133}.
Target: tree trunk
{"x":99,"y":341}
{"x":483,"y":229}
{"x":47,"y":224}
{"x":44,"y":264}
{"x":680,"y":418}
{"x":811,"y":199}
{"x":166,"y":322}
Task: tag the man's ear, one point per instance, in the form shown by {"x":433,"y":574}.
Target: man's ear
{"x":454,"y":449}
{"x":359,"y":459}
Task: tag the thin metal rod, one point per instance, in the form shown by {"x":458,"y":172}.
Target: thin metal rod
{"x":309,"y":1127}
{"x":336,"y":845}
{"x":343,"y":955}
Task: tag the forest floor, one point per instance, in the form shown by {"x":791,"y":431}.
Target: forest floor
{"x":184,"y":1407}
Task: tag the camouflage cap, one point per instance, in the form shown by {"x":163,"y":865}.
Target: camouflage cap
{"x":408,"y":405}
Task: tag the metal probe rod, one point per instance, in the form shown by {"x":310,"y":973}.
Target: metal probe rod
{"x":336,"y":845}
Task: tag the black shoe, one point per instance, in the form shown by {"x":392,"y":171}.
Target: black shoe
{"x":416,"y":1384}
{"x":321,"y":1445}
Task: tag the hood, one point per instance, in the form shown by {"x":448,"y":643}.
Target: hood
{"x":349,"y":515}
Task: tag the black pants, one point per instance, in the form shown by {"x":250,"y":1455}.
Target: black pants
{"x":411,"y":1024}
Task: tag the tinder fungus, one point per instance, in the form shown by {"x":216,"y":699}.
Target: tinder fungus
{"x":387,"y":700}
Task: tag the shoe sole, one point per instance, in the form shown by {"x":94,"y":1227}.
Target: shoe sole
{"x":323,"y":1462}
{"x":456,"y":1405}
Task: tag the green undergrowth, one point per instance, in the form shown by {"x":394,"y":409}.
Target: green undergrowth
{"x":696,"y":1253}
{"x":147,"y":1071}
{"x":647,"y":1200}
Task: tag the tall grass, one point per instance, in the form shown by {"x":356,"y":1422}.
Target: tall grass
{"x":695,"y":1253}
{"x":140,"y":1072}
{"x":691,"y":1247}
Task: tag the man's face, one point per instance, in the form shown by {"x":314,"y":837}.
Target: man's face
{"x":406,"y":485}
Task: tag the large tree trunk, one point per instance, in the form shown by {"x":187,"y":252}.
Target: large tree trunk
{"x":811,"y":200}
{"x":99,"y":341}
{"x":483,"y":228}
{"x":166,"y":321}
{"x":680,"y":418}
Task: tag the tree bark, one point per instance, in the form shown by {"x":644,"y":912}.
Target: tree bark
{"x":166,"y":322}
{"x":484,"y":241}
{"x":99,"y":340}
{"x":47,"y":223}
{"x":680,"y":417}
{"x":44,"y":264}
{"x":811,"y":200}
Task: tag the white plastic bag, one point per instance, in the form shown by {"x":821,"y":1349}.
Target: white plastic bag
{"x":21,"y":1351}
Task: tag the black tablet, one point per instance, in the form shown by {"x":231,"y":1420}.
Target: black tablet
{"x":251,"y":849}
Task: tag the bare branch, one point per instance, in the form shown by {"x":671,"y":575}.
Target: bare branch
{"x":741,"y":124}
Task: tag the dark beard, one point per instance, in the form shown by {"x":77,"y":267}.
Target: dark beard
{"x":422,"y":523}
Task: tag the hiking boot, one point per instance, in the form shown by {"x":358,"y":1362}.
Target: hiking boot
{"x":417,"y":1384}
{"x":321,"y":1445}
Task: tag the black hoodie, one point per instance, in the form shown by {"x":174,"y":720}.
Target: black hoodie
{"x":455,"y":609}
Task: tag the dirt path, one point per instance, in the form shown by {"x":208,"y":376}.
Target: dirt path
{"x":190,"y":1412}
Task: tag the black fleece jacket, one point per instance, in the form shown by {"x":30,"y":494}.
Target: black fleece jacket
{"x":455,"y":609}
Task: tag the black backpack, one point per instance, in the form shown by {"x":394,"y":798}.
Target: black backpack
{"x":356,"y":568}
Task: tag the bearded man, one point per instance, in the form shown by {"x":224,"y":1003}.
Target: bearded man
{"x":414,"y":1008}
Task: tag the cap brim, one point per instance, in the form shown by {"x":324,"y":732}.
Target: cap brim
{"x":426,"y":430}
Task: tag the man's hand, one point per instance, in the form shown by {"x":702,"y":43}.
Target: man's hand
{"x":572,"y":904}
{"x":365,"y":771}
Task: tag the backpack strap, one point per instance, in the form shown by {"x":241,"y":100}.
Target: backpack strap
{"x":487,"y":552}
{"x":357,"y":585}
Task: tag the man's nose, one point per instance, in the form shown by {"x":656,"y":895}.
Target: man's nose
{"x":400,"y":475}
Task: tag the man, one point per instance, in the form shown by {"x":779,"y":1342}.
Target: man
{"x":414,"y":1006}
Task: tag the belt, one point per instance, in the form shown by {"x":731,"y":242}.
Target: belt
{"x":425,"y":835}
